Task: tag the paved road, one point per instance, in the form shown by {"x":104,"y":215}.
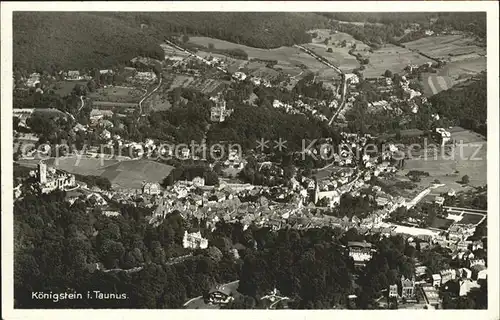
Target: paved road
{"x":83,"y":103}
{"x":147,"y":95}
{"x":327,"y":63}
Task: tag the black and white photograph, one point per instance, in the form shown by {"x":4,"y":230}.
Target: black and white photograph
{"x":216,"y":156}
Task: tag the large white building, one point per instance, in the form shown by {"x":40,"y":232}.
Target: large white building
{"x":194,"y":240}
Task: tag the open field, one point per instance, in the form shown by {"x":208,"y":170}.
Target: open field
{"x":339,"y":56}
{"x":471,"y":218}
{"x":447,"y":46}
{"x":117,"y":94}
{"x":202,"y":84}
{"x":180,"y":80}
{"x":127,"y":174}
{"x":390,"y":57}
{"x":110,"y":104}
{"x":441,"y":223}
{"x":335,"y":39}
{"x":434,"y":83}
{"x":288,"y":58}
{"x":449,"y":168}
{"x":131,"y":174}
{"x":82,"y":166}
{"x":64,"y":88}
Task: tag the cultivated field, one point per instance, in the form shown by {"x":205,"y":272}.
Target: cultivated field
{"x":82,"y":166}
{"x":117,"y":94}
{"x":447,"y":47}
{"x":471,"y":218}
{"x":390,"y":57}
{"x":434,"y":83}
{"x":289,"y":59}
{"x":452,"y":73}
{"x":450,"y":168}
{"x":339,"y":56}
{"x":204,"y":85}
{"x":64,"y":88}
{"x":110,"y":104}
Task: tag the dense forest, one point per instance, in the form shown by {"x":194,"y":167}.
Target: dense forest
{"x":474,"y":22}
{"x":49,"y":41}
{"x":465,"y":104}
{"x":54,"y":41}
{"x":60,"y":247}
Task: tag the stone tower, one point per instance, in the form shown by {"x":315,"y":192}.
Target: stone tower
{"x":42,"y":172}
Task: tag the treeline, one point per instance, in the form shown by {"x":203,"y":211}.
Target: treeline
{"x":55,"y":41}
{"x":58,"y":248}
{"x":261,"y":30}
{"x":373,"y":35}
{"x":234,"y":53}
{"x":465,"y":104}
{"x":185,"y":122}
{"x":189,"y":172}
{"x":249,"y":124}
{"x":474,"y":22}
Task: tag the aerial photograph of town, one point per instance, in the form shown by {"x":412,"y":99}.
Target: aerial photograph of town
{"x":249,"y":160}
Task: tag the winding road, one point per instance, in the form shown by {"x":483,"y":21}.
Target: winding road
{"x":327,"y":63}
{"x":147,"y":95}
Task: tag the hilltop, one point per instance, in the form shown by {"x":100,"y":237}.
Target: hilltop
{"x":51,"y":41}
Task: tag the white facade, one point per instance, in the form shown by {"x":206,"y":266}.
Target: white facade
{"x":194,"y":240}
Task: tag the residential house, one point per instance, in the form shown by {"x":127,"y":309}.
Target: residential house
{"x":352,"y":78}
{"x":73,"y":75}
{"x":145,"y":76}
{"x":439,"y":200}
{"x":430,"y":295}
{"x":151,"y":188}
{"x":475,"y":262}
{"x":447,"y":275}
{"x":198,"y":182}
{"x":105,"y":134}
{"x":240,"y":76}
{"x":393,"y":291}
{"x":436,"y":280}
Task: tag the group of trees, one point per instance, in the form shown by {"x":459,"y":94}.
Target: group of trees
{"x":61,"y":247}
{"x":41,"y":41}
{"x":312,"y":89}
{"x":181,"y":123}
{"x":374,"y":35}
{"x":465,"y":105}
{"x":474,"y":22}
{"x":189,"y":172}
{"x":58,"y":247}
